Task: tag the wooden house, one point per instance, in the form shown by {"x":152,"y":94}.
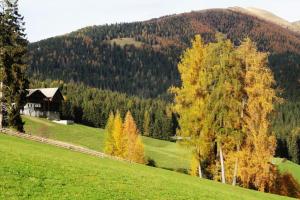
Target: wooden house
{"x":43,"y":102}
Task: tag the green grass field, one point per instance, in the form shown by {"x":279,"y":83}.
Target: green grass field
{"x":166,"y":154}
{"x":31,"y":170}
{"x":288,"y":166}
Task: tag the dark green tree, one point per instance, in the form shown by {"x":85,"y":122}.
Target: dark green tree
{"x":294,"y":145}
{"x":13,"y":64}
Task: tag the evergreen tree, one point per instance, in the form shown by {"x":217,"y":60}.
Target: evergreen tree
{"x":146,"y":124}
{"x":294,"y":145}
{"x":13,"y":64}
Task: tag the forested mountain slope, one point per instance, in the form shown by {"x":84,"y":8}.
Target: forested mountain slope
{"x":141,"y":58}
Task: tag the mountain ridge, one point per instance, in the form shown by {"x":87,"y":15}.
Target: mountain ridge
{"x":269,"y":16}
{"x":93,"y":55}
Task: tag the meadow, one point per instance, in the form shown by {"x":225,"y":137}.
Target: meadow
{"x":169,"y":155}
{"x":31,"y":170}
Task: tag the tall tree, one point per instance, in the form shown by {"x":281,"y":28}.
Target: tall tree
{"x":13,"y":64}
{"x":259,"y":148}
{"x":189,"y":104}
{"x":209,"y":103}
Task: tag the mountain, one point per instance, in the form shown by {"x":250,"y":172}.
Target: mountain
{"x":297,"y":24}
{"x":141,"y":58}
{"x":266,"y":15}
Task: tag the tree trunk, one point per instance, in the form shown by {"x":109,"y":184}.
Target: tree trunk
{"x":235,"y":172}
{"x":200,"y":170}
{"x":222,"y":165}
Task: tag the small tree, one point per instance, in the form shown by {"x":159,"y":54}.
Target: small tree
{"x":119,"y":137}
{"x":109,"y":142}
{"x":134,"y":146}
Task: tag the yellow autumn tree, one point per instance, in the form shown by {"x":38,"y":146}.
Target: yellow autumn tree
{"x":134,"y":150}
{"x":119,"y":137}
{"x":189,"y":104}
{"x":109,"y":142}
{"x":209,"y":104}
{"x":255,"y":167}
{"x":139,"y":155}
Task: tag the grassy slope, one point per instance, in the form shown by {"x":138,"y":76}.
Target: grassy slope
{"x":126,"y":41}
{"x":290,"y":167}
{"x":166,"y":154}
{"x":31,"y":170}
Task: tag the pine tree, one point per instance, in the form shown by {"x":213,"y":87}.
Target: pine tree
{"x":146,"y":124}
{"x":294,"y":145}
{"x":13,"y":64}
{"x":109,"y":142}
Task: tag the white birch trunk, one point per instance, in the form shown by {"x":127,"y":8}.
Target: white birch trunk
{"x":222,"y":165}
{"x":235,"y":172}
{"x":200,"y":170}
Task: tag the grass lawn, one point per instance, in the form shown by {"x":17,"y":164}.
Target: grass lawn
{"x":31,"y":170}
{"x":166,"y":154}
{"x":288,"y":166}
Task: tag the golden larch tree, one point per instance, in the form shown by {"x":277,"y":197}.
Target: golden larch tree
{"x":256,"y":169}
{"x":109,"y":141}
{"x":134,"y":150}
{"x":119,"y":137}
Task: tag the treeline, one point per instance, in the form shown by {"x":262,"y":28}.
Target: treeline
{"x":148,"y":70}
{"x":92,"y":106}
{"x":286,"y":123}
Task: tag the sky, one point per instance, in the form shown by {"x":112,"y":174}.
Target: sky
{"x":48,"y":18}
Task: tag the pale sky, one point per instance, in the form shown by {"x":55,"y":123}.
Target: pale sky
{"x":47,"y":18}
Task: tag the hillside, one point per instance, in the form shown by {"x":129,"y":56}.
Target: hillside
{"x":297,"y":23}
{"x":288,"y":166}
{"x":141,"y":58}
{"x":38,"y":171}
{"x":165,"y":154}
{"x":266,"y":15}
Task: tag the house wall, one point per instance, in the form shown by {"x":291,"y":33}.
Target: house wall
{"x":35,"y":110}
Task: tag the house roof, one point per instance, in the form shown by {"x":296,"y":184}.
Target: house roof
{"x":48,"y":92}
